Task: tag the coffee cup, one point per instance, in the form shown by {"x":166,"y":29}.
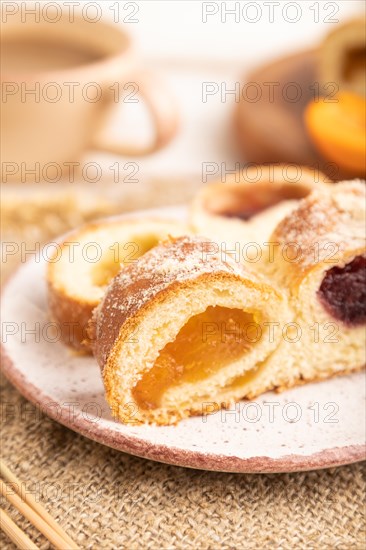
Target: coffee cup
{"x":60,"y":81}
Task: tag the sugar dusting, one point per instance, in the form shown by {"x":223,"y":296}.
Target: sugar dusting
{"x":325,"y":219}
{"x":172,"y":261}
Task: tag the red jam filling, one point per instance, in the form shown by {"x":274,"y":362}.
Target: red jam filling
{"x":343,"y":292}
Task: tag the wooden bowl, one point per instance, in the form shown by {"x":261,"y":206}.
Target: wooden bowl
{"x":272,"y":129}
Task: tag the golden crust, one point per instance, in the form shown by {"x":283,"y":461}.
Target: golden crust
{"x":72,"y":315}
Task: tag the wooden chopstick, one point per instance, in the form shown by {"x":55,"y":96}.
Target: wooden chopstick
{"x":33,"y":511}
{"x":32,"y":516}
{"x":16,"y":485}
{"x":14,"y":533}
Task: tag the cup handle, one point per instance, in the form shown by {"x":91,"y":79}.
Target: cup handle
{"x":164,"y":112}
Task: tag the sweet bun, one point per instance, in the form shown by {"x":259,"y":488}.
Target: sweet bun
{"x":318,"y":259}
{"x":179,"y":329}
{"x":87,"y":259}
{"x":247,"y":207}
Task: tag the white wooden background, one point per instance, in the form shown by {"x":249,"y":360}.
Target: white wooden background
{"x":173,"y":39}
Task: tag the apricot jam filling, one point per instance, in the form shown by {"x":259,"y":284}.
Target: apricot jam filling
{"x":119,"y":254}
{"x":206,"y":343}
{"x":343,"y":292}
{"x":246,"y":202}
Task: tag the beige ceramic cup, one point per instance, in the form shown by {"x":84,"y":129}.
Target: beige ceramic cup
{"x":60,"y":82}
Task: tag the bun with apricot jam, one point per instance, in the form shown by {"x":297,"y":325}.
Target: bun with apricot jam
{"x":179,"y":328}
{"x":87,"y":259}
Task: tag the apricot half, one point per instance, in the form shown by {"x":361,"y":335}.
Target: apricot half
{"x":338,"y":130}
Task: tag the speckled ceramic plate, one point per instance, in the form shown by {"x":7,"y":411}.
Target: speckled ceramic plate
{"x":313,"y":426}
